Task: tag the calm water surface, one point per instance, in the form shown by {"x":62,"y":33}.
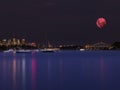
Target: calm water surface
{"x":64,"y":70}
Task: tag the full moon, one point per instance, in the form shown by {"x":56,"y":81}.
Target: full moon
{"x":101,"y":22}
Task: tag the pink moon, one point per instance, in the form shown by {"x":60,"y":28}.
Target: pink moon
{"x":101,"y":22}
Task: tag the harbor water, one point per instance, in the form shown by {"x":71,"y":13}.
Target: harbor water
{"x":63,"y":70}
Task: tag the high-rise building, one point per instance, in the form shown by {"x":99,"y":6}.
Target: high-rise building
{"x":14,"y":41}
{"x":23,"y":41}
{"x":18,"y":42}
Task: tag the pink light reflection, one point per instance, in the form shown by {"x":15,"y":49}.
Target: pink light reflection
{"x":14,"y":73}
{"x":33,"y":73}
{"x":23,"y":71}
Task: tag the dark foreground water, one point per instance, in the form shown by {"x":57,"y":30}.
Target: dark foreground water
{"x":64,"y":70}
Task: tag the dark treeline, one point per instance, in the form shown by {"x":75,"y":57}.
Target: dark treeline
{"x":116,"y":46}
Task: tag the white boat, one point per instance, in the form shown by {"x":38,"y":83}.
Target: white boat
{"x":82,"y":49}
{"x":23,"y":51}
{"x":8,"y":51}
{"x":49,"y":49}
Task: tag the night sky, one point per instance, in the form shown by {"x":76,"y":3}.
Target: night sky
{"x":60,"y":21}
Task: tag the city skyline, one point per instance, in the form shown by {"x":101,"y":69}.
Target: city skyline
{"x":22,"y":44}
{"x":60,"y":21}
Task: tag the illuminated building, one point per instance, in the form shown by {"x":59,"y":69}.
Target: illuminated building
{"x":9,"y":42}
{"x":18,"y":42}
{"x":23,"y":41}
{"x":14,"y":41}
